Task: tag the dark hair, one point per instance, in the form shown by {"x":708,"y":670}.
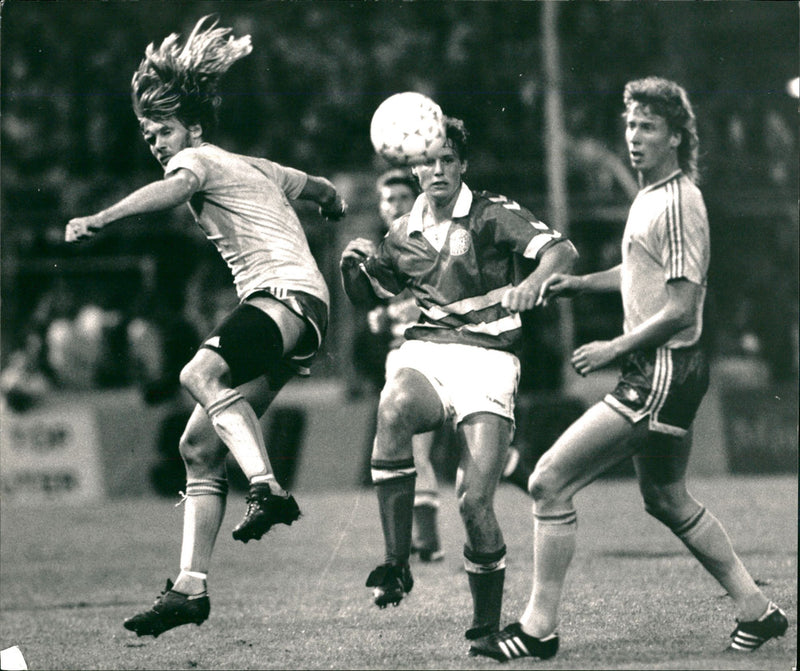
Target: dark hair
{"x":456,"y":132}
{"x":398,"y":176}
{"x":670,"y":101}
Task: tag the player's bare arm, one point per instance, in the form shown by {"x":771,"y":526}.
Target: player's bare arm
{"x":322,"y":191}
{"x":560,"y":285}
{"x":677,"y":314}
{"x":174,"y":190}
{"x":558,"y":258}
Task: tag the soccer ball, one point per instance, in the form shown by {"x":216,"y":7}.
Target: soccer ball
{"x":407,"y":128}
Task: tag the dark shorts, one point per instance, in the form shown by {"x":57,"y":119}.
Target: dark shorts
{"x":665,"y":385}
{"x":246,"y":339}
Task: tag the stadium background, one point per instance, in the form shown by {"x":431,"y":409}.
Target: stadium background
{"x":304,"y":97}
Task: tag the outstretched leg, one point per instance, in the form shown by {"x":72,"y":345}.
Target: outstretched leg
{"x":661,"y":469}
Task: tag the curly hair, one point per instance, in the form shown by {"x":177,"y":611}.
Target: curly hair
{"x":670,"y":101}
{"x":180,"y":81}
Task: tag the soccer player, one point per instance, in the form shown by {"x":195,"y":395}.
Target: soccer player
{"x":460,"y":253}
{"x":397,"y":191}
{"x":242,"y":205}
{"x":662,"y":280}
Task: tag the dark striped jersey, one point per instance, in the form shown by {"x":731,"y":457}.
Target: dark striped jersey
{"x":459,"y":282}
{"x":666,"y":237}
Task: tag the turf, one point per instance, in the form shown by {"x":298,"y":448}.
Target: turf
{"x":635,"y":598}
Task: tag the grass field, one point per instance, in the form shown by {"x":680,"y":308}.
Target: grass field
{"x":634,"y":599}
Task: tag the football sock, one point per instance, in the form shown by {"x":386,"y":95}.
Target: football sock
{"x":426,"y":527}
{"x":553,"y":548}
{"x":270,"y":480}
{"x":394,"y":486}
{"x":515,"y":471}
{"x":709,"y":543}
{"x":202,"y":518}
{"x":486,"y":572}
{"x":237,"y":425}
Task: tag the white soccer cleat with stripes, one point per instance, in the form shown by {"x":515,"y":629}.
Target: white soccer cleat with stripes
{"x":513,"y":643}
{"x":749,"y":636}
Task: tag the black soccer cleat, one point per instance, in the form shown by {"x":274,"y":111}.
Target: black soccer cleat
{"x":171,"y":609}
{"x":264,"y":510}
{"x":513,"y":643}
{"x":749,"y":636}
{"x":391,"y":583}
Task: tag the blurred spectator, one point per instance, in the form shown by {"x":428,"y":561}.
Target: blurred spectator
{"x":27,"y":376}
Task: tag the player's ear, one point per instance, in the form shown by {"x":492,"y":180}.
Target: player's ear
{"x":464,"y":164}
{"x":675,"y":139}
{"x":196,"y":131}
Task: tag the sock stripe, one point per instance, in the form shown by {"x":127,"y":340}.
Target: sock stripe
{"x":569,"y":517}
{"x":383,"y":470}
{"x":225,"y":400}
{"x":209,"y":487}
{"x":484,"y":562}
{"x":685,"y":527}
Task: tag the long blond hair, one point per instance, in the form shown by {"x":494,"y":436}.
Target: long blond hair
{"x":181,"y":80}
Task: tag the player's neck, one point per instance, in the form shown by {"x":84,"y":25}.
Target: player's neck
{"x":657,"y":173}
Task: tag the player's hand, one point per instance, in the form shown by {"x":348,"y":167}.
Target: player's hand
{"x":592,"y":356}
{"x":356,"y":252}
{"x":335,"y":211}
{"x":524,"y":296}
{"x":82,"y":228}
{"x":559,"y":284}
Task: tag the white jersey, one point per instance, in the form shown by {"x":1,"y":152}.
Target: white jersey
{"x":666,"y":237}
{"x":242,"y":205}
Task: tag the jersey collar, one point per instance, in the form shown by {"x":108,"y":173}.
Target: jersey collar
{"x":420,"y":208}
{"x":661,"y":182}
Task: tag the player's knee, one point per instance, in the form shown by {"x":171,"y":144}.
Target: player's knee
{"x":394,"y":412}
{"x":665,"y":506}
{"x":474,"y":502}
{"x":545,"y":487}
{"x":192,"y":377}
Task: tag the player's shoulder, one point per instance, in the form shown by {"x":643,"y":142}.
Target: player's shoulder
{"x":490,"y":205}
{"x":398,"y":229}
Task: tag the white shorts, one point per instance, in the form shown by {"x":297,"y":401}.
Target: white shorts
{"x":468,"y":379}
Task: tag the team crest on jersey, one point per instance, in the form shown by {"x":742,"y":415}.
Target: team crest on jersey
{"x":459,"y":242}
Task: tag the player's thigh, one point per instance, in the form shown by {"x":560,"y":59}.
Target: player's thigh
{"x":484,"y":439}
{"x":661,"y":467}
{"x":595,"y":442}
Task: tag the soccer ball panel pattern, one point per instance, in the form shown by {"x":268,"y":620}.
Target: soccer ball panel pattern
{"x":407,"y":128}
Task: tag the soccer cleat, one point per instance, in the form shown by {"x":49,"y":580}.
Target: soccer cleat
{"x":171,"y":609}
{"x":749,"y":636}
{"x":428,"y":555}
{"x":391,"y":583}
{"x":264,"y":510}
{"x":513,"y":643}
